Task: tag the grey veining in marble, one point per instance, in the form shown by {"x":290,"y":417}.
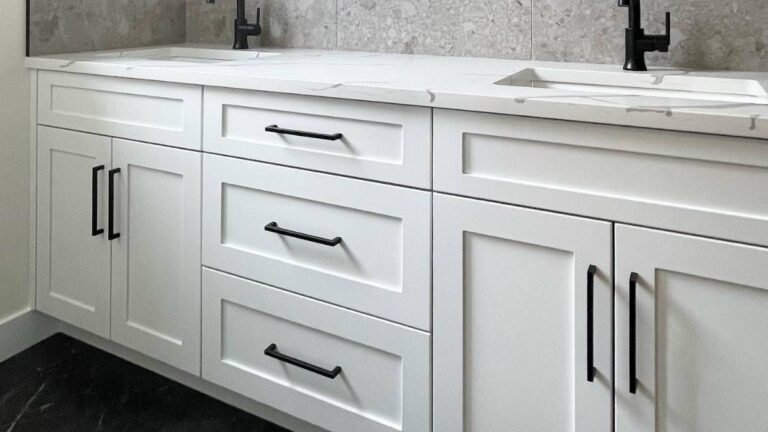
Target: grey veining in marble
{"x":286,"y":23}
{"x":456,"y":83}
{"x":60,"y":26}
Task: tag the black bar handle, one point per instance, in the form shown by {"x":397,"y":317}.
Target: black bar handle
{"x":327,"y":137}
{"x":591,"y":371}
{"x":95,"y":230}
{"x":112,"y":234}
{"x":274,"y":228}
{"x":271,"y":351}
{"x":633,"y":332}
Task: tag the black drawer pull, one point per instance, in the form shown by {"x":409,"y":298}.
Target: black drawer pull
{"x":271,"y":351}
{"x":633,"y":333}
{"x":112,"y":234}
{"x":591,"y":371}
{"x":95,"y":230}
{"x":274,"y":228}
{"x":327,"y":137}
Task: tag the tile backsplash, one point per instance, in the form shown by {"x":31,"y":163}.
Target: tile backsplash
{"x":61,"y":26}
{"x":706,"y":34}
{"x":286,"y":23}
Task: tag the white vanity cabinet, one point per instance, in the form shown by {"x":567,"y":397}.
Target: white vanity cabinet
{"x":466,"y":272}
{"x":692,"y":314}
{"x":522,"y":327}
{"x":119,"y":242}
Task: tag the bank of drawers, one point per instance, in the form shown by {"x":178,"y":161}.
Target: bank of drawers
{"x":314,"y":258}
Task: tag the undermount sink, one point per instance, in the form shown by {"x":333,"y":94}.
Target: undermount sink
{"x":674,"y":84}
{"x":187,"y":55}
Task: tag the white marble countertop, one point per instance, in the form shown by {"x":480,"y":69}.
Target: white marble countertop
{"x":441,"y":82}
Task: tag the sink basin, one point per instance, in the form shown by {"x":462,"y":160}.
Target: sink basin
{"x":675,"y":84}
{"x":186,"y":55}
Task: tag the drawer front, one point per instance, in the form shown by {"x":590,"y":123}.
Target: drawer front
{"x":155,"y":112}
{"x":390,"y":143}
{"x":704,"y":184}
{"x":384,"y":380}
{"x":381,"y":265}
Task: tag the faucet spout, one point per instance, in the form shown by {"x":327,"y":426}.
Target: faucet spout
{"x":637,"y":42}
{"x":243,"y":29}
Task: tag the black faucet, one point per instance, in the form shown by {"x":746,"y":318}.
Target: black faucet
{"x":637,"y":42}
{"x":243,"y":29}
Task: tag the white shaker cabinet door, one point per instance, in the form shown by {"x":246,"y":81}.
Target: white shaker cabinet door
{"x":699,"y":337}
{"x":512,"y":324}
{"x":73,"y":261}
{"x":156,"y":284}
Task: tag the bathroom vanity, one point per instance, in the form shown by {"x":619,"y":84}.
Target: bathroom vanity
{"x":382,"y":243}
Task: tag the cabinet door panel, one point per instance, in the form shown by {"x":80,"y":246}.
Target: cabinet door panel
{"x":510,"y":325}
{"x":701,"y":339}
{"x":73,"y":265}
{"x":156,"y":260}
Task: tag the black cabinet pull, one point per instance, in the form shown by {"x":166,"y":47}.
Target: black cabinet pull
{"x":633,"y":333}
{"x":591,"y":371}
{"x":271,"y":351}
{"x":327,"y":137}
{"x":274,"y":228}
{"x":112,"y":234}
{"x":95,"y":230}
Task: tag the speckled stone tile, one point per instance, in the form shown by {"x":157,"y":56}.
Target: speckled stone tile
{"x":61,"y":26}
{"x":286,"y":23}
{"x":706,"y":34}
{"x":482,"y":28}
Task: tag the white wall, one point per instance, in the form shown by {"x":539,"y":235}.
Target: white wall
{"x":14,"y":160}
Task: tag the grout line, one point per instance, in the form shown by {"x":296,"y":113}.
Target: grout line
{"x":336,"y":44}
{"x":533,"y":45}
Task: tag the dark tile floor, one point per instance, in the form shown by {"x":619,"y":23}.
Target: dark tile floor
{"x":64,"y":385}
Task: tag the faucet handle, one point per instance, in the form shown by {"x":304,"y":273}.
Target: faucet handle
{"x":661,"y":43}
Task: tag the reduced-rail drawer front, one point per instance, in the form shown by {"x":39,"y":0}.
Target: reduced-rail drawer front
{"x":384,"y":378}
{"x":380,"y":266}
{"x":390,"y":143}
{"x":704,"y":184}
{"x":148,"y":111}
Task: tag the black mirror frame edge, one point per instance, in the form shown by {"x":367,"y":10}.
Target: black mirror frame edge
{"x":27,"y":36}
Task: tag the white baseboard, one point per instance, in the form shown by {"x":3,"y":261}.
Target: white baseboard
{"x":22,"y":330}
